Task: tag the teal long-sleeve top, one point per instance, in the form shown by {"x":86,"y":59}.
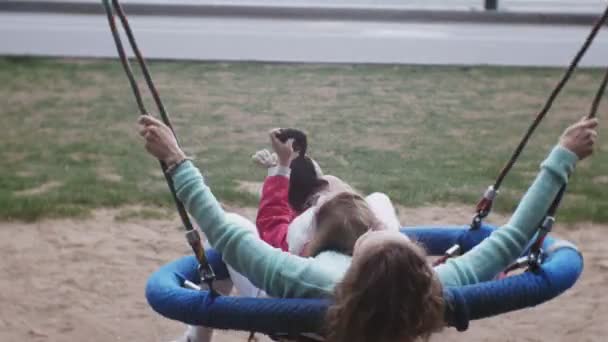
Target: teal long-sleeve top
{"x":285,"y":275}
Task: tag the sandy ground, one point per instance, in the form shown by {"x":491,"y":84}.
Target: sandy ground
{"x":83,"y":280}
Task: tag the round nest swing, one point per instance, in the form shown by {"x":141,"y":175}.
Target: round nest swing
{"x":561,"y":266}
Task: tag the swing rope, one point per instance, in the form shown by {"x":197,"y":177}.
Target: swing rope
{"x":192,"y":235}
{"x":484,"y":206}
{"x":597,"y":99}
{"x":534,"y":257}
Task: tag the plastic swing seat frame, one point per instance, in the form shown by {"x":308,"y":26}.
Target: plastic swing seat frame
{"x":281,"y":317}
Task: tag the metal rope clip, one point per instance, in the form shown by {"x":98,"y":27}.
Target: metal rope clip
{"x":484,"y":207}
{"x":453,"y":251}
{"x":207,"y":275}
{"x":519,"y":263}
{"x":450,"y":253}
{"x":535,"y":257}
{"x":205,"y":271}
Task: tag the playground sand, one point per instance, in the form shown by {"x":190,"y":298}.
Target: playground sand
{"x":83,"y":280}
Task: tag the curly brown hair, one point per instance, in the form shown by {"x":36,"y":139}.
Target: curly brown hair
{"x":390,"y":293}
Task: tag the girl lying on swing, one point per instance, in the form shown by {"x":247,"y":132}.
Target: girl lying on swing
{"x":294,"y":191}
{"x":387,"y":291}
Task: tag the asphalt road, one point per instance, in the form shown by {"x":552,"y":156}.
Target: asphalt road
{"x":546,"y":6}
{"x":302,"y":41}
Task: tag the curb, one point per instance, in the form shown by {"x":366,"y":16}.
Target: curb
{"x":307,"y":13}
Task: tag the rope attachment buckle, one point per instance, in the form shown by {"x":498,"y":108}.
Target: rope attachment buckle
{"x":546,"y":227}
{"x":207,"y":275}
{"x":536,"y":255}
{"x":206,"y":272}
{"x":484,"y":206}
{"x":453,"y":251}
{"x":449,"y":253}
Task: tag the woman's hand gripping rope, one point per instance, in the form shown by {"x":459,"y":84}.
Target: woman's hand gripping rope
{"x":160,"y":141}
{"x":580,"y":137}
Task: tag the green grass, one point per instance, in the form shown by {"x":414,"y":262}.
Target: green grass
{"x":424,"y":135}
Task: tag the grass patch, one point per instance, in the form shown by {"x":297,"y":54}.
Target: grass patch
{"x":421,"y":134}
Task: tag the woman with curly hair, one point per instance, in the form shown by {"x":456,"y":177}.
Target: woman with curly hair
{"x":387,"y":291}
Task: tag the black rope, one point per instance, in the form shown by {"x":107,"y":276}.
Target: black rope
{"x":144,"y":67}
{"x":556,"y":202}
{"x":551,"y":99}
{"x":193,"y":238}
{"x":534,"y":258}
{"x":485,"y":204}
{"x":159,"y":104}
{"x":535,"y":250}
{"x":123,"y":58}
{"x":599,"y":95}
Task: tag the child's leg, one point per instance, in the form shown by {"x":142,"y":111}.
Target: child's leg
{"x":384,"y":210}
{"x":241,"y":283}
{"x":196,"y":334}
{"x":201,"y":333}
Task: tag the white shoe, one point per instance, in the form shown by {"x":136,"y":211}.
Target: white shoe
{"x":196,"y":334}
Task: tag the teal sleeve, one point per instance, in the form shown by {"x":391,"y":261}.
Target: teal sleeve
{"x":506,"y":244}
{"x":279,"y":273}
